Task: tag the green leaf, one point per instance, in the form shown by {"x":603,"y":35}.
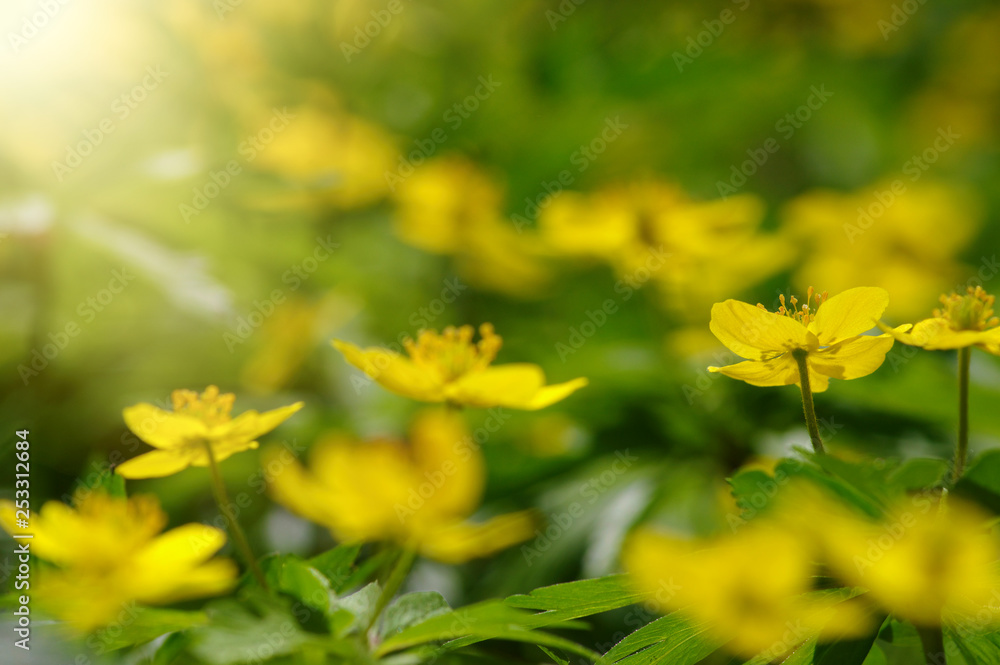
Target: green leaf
{"x":981,"y":482}
{"x":170,"y":651}
{"x":572,"y":600}
{"x":237,"y":633}
{"x":919,"y":473}
{"x":752,"y":490}
{"x":487,"y":620}
{"x":410,"y":609}
{"x":337,"y":565}
{"x":848,"y":652}
{"x":291,"y":575}
{"x":976,"y":648}
{"x":144,"y":624}
{"x":672,"y":640}
{"x":555,"y":659}
{"x":361,"y":604}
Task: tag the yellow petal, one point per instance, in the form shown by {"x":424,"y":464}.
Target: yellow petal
{"x":393,"y":372}
{"x":781,"y":371}
{"x":753,"y":333}
{"x":457,"y":542}
{"x":209,"y":579}
{"x":162,"y":429}
{"x":450,"y":460}
{"x":513,"y":385}
{"x":849,"y":313}
{"x":184,"y":546}
{"x":853,"y":358}
{"x":555,"y":393}
{"x":155,"y":464}
{"x":250,"y":425}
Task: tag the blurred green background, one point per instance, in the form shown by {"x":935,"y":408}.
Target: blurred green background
{"x":205,"y":192}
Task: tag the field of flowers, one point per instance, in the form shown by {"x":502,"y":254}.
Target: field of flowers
{"x":511,"y":331}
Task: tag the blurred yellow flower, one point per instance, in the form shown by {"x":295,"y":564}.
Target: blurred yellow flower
{"x":627,"y":225}
{"x":449,"y":206}
{"x":749,"y":588}
{"x":322,"y":156}
{"x":898,"y":235}
{"x":925,"y":562}
{"x":965,"y":320}
{"x":109,"y":553}
{"x":419,"y":496}
{"x":829,"y":335}
{"x":183,"y":437}
{"x":449,"y":367}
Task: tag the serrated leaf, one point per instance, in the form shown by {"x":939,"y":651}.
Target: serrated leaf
{"x":672,"y":640}
{"x":976,"y":648}
{"x":483,"y":621}
{"x":572,"y":600}
{"x":410,"y":609}
{"x":237,"y":635}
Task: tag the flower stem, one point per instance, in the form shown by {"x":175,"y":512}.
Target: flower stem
{"x":808,"y":408}
{"x":395,"y":580}
{"x":240,"y":538}
{"x":962,"y":445}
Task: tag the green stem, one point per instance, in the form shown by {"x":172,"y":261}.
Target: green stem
{"x":240,"y":538}
{"x":808,"y":408}
{"x":962,"y":445}
{"x":395,"y":580}
{"x":932,"y":640}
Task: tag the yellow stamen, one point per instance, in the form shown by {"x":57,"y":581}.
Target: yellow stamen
{"x":211,"y":406}
{"x":792,"y":310}
{"x":452,"y":352}
{"x":972,"y":311}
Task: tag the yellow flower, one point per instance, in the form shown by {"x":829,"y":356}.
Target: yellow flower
{"x":749,"y":588}
{"x":903,"y":242}
{"x":965,"y":320}
{"x":829,"y":336}
{"x":449,"y":367}
{"x":418,"y":496}
{"x":109,"y":552}
{"x":181,"y":437}
{"x":449,"y":206}
{"x":924,"y":562}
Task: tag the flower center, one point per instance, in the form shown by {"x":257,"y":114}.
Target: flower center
{"x":452,"y":352}
{"x":972,"y":311}
{"x":211,"y":407}
{"x":802,"y":314}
